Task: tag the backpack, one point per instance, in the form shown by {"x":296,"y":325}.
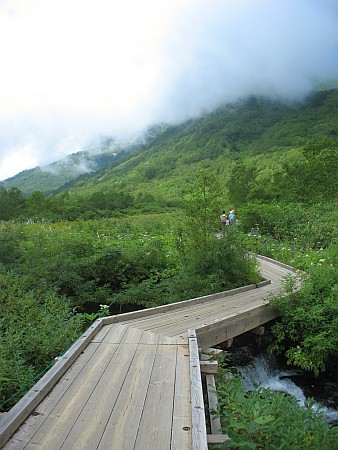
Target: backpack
{"x":223,"y":218}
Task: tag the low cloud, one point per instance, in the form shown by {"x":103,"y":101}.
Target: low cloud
{"x":75,"y":70}
{"x":74,"y":167}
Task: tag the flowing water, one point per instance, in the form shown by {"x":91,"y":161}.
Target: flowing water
{"x":258,"y":368}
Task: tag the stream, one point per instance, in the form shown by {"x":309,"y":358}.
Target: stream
{"x":257,"y":367}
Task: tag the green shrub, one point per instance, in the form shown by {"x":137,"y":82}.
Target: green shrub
{"x":36,"y":326}
{"x":11,"y":237}
{"x":225,"y":260}
{"x":269,"y":420}
{"x":308,"y":330}
{"x":303,"y":227}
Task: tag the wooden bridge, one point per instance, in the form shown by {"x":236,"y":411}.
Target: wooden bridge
{"x":133,"y":381}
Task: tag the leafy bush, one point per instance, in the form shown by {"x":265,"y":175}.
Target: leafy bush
{"x":269,"y":420}
{"x":225,"y":261}
{"x":308,"y":330}
{"x":11,"y":237}
{"x":35,"y":327}
{"x":303,"y":227}
{"x":78,"y":261}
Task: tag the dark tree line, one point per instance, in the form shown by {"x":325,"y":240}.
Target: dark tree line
{"x":37,"y":206}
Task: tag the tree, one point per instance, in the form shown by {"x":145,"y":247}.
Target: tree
{"x":12,"y":203}
{"x":242,"y":180}
{"x":37,"y":203}
{"x":202,"y":207}
{"x":313,"y":178}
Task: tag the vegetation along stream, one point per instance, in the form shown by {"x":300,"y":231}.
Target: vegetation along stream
{"x":259,"y":369}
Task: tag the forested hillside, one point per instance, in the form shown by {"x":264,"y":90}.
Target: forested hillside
{"x":255,"y":147}
{"x":50,"y":178}
{"x":257,"y":139}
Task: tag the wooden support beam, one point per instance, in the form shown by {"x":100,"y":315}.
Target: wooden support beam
{"x":228,"y":343}
{"x":215,"y":422}
{"x":223,"y":330}
{"x":210,"y":353}
{"x":209,"y":366}
{"x":217,"y":438}
{"x":198,"y":431}
{"x":258,"y":330}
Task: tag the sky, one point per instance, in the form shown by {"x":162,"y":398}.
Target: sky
{"x":73,"y":71}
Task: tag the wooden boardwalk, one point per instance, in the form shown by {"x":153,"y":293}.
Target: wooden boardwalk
{"x":132,"y":382}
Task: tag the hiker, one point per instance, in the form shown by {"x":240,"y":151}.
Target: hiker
{"x":232,"y":217}
{"x":224,"y":220}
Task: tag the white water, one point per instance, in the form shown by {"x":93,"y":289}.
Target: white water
{"x":263,"y":372}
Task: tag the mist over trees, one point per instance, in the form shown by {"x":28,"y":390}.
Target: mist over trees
{"x":260,"y":150}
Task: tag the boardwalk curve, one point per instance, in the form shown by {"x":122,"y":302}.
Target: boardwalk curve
{"x":129,"y":382}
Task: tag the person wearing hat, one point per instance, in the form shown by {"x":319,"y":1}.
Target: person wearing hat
{"x":232,"y":217}
{"x":224,"y":220}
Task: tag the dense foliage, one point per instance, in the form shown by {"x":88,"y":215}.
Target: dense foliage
{"x":36,"y":326}
{"x":263,"y":419}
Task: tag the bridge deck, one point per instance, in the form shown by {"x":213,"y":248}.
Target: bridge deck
{"x":129,"y":387}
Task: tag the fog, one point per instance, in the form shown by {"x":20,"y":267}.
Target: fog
{"x":75,"y":70}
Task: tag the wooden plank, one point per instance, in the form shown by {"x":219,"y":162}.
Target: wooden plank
{"x":88,"y":427}
{"x":166,"y":340}
{"x":178,"y":328}
{"x":149,"y":338}
{"x":177,"y":322}
{"x":173,"y":325}
{"x":181,"y":426}
{"x":153,"y":322}
{"x":131,"y":335}
{"x":267,"y":265}
{"x":100,"y":336}
{"x":115,"y":333}
{"x":215,"y":422}
{"x":277,"y":263}
{"x":121,"y":429}
{"x":14,"y":418}
{"x":156,"y":422}
{"x":222,"y":330}
{"x":60,"y":421}
{"x":34,"y":421}
{"x":199,"y":433}
{"x":223,"y":304}
{"x":131,"y":316}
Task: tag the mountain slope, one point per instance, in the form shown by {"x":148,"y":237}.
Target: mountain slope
{"x":50,"y":178}
{"x":256,"y":129}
